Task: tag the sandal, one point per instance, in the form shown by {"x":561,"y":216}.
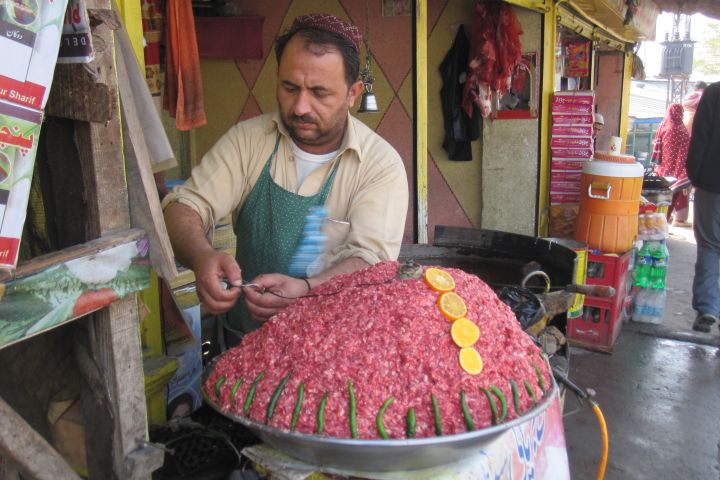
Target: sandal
{"x":703,"y":322}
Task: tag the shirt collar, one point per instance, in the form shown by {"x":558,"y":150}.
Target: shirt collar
{"x":350,"y":139}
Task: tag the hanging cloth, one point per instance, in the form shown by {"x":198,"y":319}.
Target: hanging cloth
{"x":183,"y":97}
{"x":460,"y":129}
{"x":268,"y":229}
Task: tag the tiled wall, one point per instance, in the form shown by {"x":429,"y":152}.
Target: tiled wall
{"x":240,"y":90}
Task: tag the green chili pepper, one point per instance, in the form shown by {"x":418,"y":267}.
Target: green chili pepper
{"x":218,"y":384}
{"x":516,"y":396}
{"x":503,"y":402}
{"x":541,"y":380}
{"x":436,"y":413}
{"x":353,"y":410}
{"x":493,"y":407}
{"x":530,"y":392}
{"x":379,"y":418}
{"x":411,"y":423}
{"x":251,"y":393}
{"x":321,"y":414}
{"x":276,"y":394}
{"x":298,"y":406}
{"x":234,"y":390}
{"x":466,"y":412}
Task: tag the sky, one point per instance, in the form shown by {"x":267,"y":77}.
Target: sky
{"x":650,"y":52}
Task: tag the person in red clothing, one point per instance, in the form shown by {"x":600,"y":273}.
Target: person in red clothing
{"x":690,"y":104}
{"x":670,"y":150}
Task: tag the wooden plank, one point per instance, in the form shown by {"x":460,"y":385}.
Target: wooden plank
{"x":72,"y":286}
{"x":116,"y":443}
{"x":145,"y":211}
{"x":81,"y":91}
{"x":41,"y":263}
{"x":115,"y":401}
{"x":30,"y":452}
{"x":78,"y":94}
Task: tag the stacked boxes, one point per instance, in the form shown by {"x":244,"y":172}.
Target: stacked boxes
{"x":571,"y":144}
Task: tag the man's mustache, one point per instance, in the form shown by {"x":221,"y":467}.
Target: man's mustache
{"x":303,"y":118}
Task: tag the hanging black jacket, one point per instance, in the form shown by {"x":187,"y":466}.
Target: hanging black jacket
{"x":703,"y":160}
{"x":460,"y":130}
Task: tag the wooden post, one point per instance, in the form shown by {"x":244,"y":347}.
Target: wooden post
{"x":115,"y":411}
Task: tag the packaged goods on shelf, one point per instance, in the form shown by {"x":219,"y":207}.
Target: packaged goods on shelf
{"x":572,"y":130}
{"x":569,"y":119}
{"x":561,"y":163}
{"x":558,"y":141}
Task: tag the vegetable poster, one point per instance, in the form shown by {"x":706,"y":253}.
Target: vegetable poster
{"x":19,"y":133}
{"x":29,"y":41}
{"x":68,"y":290}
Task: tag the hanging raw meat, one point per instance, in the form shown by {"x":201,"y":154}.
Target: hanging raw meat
{"x":495,"y":50}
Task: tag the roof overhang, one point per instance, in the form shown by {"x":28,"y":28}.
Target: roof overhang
{"x":709,"y":8}
{"x":612,"y":16}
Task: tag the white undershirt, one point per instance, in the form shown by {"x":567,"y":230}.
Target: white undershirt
{"x":306,"y":163}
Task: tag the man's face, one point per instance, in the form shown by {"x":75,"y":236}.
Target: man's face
{"x":312,"y":94}
{"x":597,"y":128}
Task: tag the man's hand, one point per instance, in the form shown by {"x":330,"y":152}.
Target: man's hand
{"x":210,"y":271}
{"x":262,"y":306}
{"x":193,"y":249}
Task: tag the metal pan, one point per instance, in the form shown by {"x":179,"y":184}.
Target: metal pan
{"x":377,"y":455}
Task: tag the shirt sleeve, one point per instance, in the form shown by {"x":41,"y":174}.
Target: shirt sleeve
{"x":217,"y":184}
{"x":377,"y":214}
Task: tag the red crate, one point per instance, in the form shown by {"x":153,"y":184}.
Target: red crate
{"x":599,"y":326}
{"x":602,"y":318}
{"x":608,"y":270}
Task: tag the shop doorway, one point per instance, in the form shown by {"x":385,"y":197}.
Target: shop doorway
{"x":609,"y":67}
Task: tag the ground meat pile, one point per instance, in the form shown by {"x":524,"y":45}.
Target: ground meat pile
{"x":388,"y":337}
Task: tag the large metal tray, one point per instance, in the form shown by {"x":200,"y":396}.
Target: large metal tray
{"x":377,"y":455}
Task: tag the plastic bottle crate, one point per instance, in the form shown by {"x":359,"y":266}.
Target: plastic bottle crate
{"x":600,"y":324}
{"x":608,"y":270}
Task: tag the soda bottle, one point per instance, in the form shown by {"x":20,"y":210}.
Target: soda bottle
{"x":643,"y":266}
{"x":658,"y":273}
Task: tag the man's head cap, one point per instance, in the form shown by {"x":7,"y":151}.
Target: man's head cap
{"x":329,"y":23}
{"x":599,"y":119}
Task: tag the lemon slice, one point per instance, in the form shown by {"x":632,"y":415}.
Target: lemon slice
{"x":464,"y":332}
{"x":439,"y":280}
{"x":452,"y":305}
{"x":470,"y":360}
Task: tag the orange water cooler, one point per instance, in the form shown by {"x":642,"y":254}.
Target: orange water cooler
{"x":609,"y":202}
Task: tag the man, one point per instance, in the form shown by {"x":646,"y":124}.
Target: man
{"x":275,"y":170}
{"x":598,"y":125}
{"x":690,"y":104}
{"x":703,"y":169}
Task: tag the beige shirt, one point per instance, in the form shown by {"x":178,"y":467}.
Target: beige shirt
{"x":370,"y":190}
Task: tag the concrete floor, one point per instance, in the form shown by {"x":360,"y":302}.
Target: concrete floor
{"x":659,"y":391}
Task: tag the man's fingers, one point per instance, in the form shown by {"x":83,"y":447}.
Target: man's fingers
{"x":259,"y":313}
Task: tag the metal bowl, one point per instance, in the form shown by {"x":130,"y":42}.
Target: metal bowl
{"x":377,"y":455}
